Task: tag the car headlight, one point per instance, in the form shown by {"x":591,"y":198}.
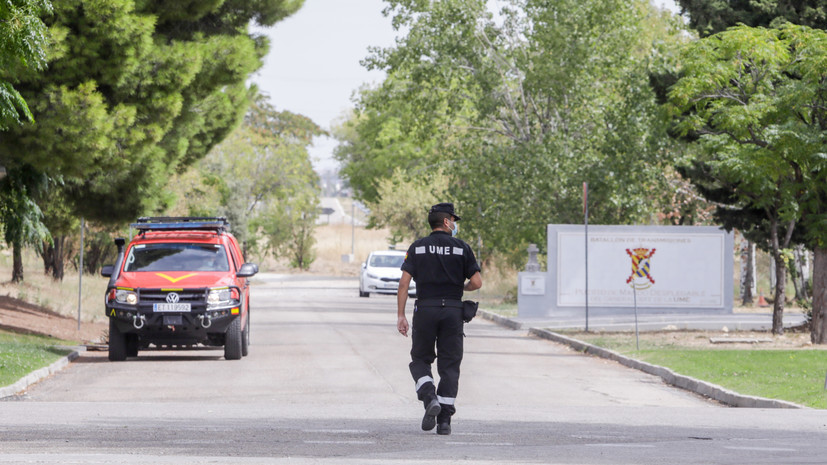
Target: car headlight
{"x":126,"y":297}
{"x":218,"y":297}
{"x":372,"y":276}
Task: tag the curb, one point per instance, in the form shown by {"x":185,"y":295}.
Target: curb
{"x":712,"y":391}
{"x":703,"y":388}
{"x":38,"y":375}
{"x":500,"y":320}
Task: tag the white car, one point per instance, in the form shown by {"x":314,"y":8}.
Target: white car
{"x":381,"y":273}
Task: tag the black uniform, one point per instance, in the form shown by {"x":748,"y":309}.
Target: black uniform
{"x":439,"y":264}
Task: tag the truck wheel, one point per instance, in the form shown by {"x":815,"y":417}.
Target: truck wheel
{"x":117,"y":343}
{"x":245,"y":337}
{"x":232,"y":344}
{"x":131,"y":345}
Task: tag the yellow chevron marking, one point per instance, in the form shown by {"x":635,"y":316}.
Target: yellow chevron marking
{"x":175,"y":280}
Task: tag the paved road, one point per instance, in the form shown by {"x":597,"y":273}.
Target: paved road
{"x":339,"y":215}
{"x":327,"y":382}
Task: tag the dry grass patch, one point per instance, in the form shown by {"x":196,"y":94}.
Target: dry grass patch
{"x":332,"y":242}
{"x":625,"y":341}
{"x":60,"y":297}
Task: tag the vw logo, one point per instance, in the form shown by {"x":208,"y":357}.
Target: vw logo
{"x":173,"y":297}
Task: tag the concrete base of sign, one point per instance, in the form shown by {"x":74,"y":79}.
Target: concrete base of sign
{"x":531,"y":295}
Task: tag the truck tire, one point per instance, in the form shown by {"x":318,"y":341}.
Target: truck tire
{"x":117,"y":343}
{"x":245,"y":337}
{"x":232,"y":343}
{"x":131,"y":345}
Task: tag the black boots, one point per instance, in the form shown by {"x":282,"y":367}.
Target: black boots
{"x":443,"y":421}
{"x":435,"y":416}
{"x":431,"y":411}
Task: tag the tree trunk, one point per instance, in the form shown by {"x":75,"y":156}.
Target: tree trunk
{"x":747,"y":272}
{"x":53,"y":255}
{"x":780,"y":281}
{"x":47,"y":254}
{"x":818,"y":325}
{"x":59,"y":258}
{"x":801,"y":264}
{"x":17,"y":263}
{"x":780,"y":294}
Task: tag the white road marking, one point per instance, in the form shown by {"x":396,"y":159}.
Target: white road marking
{"x":360,"y":443}
{"x":642,"y":446}
{"x":762,"y":449}
{"x":495,"y":444}
{"x":336,"y":431}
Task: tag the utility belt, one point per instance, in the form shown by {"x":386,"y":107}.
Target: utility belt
{"x":469,"y":308}
{"x":439,"y":303}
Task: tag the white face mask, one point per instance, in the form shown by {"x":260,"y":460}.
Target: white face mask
{"x":455,"y":229}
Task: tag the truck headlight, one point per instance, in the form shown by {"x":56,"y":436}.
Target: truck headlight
{"x":218,"y":297}
{"x":126,"y":297}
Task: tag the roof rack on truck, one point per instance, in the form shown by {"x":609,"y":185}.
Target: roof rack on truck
{"x":181,"y":223}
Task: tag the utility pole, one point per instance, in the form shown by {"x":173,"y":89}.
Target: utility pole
{"x":586,"y":223}
{"x":80,"y":271}
{"x":352,"y":229}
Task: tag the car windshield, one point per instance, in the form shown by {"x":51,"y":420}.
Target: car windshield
{"x":177,"y":257}
{"x":386,"y":261}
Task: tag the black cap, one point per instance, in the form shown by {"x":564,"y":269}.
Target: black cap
{"x":444,"y":208}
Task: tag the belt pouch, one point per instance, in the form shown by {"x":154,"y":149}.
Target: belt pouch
{"x":469,"y":310}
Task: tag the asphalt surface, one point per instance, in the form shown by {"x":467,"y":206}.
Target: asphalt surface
{"x":326,"y":381}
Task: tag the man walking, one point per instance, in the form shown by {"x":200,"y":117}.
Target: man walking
{"x":439,"y":264}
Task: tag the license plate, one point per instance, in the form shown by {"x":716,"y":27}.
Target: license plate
{"x":185,"y":307}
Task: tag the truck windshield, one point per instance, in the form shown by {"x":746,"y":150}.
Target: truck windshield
{"x":177,"y":257}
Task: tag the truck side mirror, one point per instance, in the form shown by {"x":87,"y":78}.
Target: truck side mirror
{"x":247,"y":270}
{"x":107,"y":270}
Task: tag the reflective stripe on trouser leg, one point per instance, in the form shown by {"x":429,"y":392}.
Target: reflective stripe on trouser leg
{"x":423,"y":339}
{"x":449,"y":346}
{"x":421,"y":382}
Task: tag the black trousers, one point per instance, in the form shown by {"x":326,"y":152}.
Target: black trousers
{"x":439,"y":328}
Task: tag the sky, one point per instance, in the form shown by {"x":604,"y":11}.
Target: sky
{"x":313,"y":65}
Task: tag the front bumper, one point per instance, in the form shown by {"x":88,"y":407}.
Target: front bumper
{"x":199,"y":325}
{"x":384,"y":285}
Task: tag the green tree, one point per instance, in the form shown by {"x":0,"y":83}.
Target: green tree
{"x":22,"y":41}
{"x":21,"y":217}
{"x":135,"y":92}
{"x":262,"y":180}
{"x":712,"y":16}
{"x":288,"y":227}
{"x":383,"y":134}
{"x":403,"y":203}
{"x":62,"y":226}
{"x":520,"y":111}
{"x":755,"y":97}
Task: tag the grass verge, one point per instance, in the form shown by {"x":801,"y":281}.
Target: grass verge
{"x":792,"y":375}
{"x":22,"y":354}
